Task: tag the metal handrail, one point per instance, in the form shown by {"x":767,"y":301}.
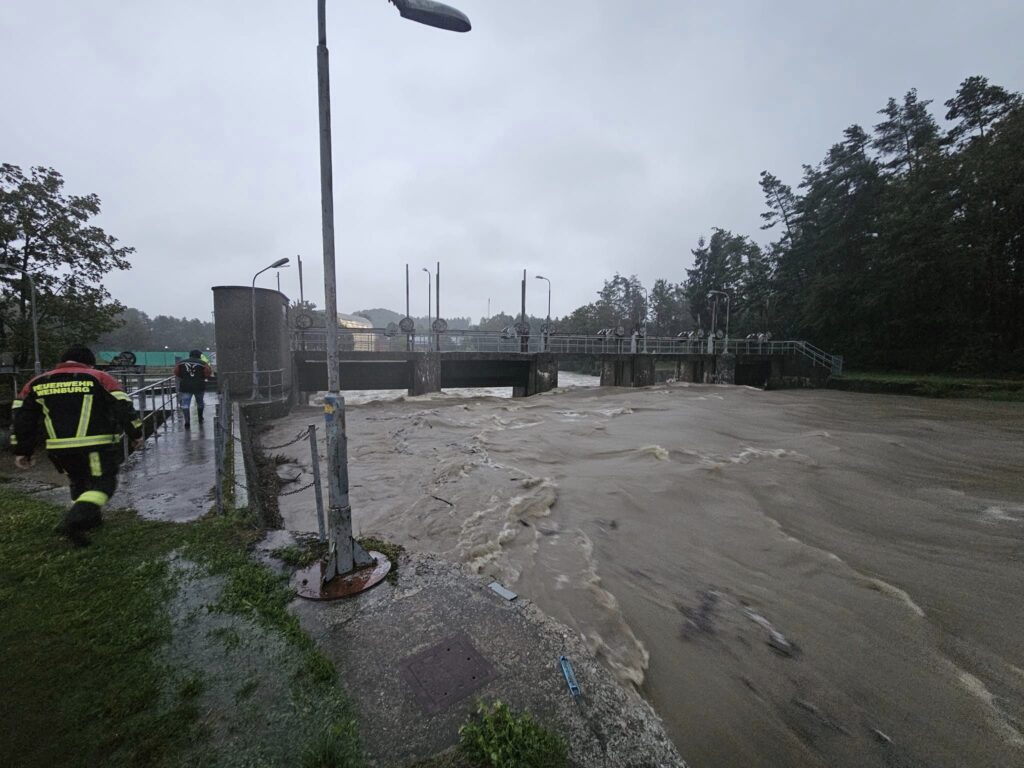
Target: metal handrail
{"x":168,"y":390}
{"x":379,"y":340}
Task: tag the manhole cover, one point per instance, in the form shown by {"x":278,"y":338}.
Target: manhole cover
{"x":445,"y":673}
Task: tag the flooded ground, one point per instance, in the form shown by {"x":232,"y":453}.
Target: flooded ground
{"x":798,"y":578}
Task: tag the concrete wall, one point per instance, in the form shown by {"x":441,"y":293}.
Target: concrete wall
{"x":232,"y":307}
{"x":796,"y":371}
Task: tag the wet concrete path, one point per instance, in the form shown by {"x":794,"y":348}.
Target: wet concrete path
{"x":173,"y":478}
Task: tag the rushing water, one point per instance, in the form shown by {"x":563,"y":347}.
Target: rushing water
{"x":566,"y":379}
{"x":799,"y":578}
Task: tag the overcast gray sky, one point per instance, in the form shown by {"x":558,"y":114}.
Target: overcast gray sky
{"x":571,"y":138}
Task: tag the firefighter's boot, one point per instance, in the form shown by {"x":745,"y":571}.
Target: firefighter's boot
{"x":82,"y":517}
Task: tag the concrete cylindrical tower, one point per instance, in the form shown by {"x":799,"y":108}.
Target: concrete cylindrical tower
{"x":232,"y":308}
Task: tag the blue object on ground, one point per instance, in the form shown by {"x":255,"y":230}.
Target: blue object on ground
{"x":570,"y":676}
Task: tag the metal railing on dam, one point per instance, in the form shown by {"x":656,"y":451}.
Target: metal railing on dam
{"x":382,"y":340}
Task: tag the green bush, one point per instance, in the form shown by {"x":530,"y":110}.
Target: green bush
{"x":498,"y":738}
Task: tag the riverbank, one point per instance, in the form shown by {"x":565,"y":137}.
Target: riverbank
{"x":160,"y":644}
{"x":930,"y":385}
{"x":177,"y":644}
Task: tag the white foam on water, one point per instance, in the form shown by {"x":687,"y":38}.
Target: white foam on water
{"x":978,"y":689}
{"x":654,"y":450}
{"x":998,"y":515}
{"x":893,"y":591}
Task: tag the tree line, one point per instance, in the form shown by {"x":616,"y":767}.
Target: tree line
{"x":903,"y":248}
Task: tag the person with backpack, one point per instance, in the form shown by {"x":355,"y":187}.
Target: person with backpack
{"x":192,"y":374}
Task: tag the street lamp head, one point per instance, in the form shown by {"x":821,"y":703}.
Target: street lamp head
{"x":426,"y":270}
{"x":433,"y":14}
{"x":540,"y":277}
{"x":279,"y":263}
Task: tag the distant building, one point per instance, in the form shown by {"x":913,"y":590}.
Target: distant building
{"x":355,"y":342}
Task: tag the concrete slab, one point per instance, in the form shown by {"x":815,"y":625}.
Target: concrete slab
{"x":373,"y":637}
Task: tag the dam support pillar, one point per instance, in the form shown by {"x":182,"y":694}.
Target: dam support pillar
{"x":643,"y":371}
{"x":725,"y":368}
{"x":425,"y":374}
{"x":689,"y":371}
{"x":628,"y":371}
{"x":542,"y":376}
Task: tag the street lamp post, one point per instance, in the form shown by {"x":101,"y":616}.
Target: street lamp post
{"x":255,"y":368}
{"x":716,"y":294}
{"x":547,"y":323}
{"x":37,"y":367}
{"x":345,"y":553}
{"x":430,"y":293}
{"x":647,"y":311}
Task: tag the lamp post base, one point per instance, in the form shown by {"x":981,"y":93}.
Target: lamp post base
{"x":309,"y":583}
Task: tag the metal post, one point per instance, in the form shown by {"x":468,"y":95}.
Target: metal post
{"x":430,"y":292}
{"x":345,"y":553}
{"x":252,"y":302}
{"x":409,"y":336}
{"x":302,"y":294}
{"x":524,"y":342}
{"x":314,"y":456}
{"x":218,"y":460}
{"x":35,"y":324}
{"x":647,"y":311}
{"x":327,"y":199}
{"x":547,"y":322}
{"x":437,"y":301}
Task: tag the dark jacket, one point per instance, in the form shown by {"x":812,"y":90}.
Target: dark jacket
{"x":192,"y":374}
{"x":79,"y":406}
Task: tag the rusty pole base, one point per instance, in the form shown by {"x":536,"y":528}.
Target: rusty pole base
{"x":309,"y":584}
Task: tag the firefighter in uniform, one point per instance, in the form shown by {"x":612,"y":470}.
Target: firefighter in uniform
{"x":84,"y":413}
{"x":192,"y":374}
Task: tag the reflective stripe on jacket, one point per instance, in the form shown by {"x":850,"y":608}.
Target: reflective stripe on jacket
{"x":78,"y":406}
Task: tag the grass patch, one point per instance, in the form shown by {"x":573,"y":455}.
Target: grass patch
{"x":84,"y":679}
{"x":391,"y":551}
{"x":931,"y":385}
{"x":499,"y":738}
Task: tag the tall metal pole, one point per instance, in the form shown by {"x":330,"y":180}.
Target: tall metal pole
{"x":255,"y":366}
{"x":430,"y":292}
{"x":327,"y":203}
{"x":437,"y":301}
{"x":35,"y":324}
{"x":522,"y":313}
{"x":409,"y":336}
{"x":302,"y":294}
{"x":524,"y":343}
{"x":647,"y":311}
{"x":546,"y":337}
{"x":344,"y":551}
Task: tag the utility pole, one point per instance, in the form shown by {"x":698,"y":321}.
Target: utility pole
{"x":437,"y":301}
{"x":302,"y":295}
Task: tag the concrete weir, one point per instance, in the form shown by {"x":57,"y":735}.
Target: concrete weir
{"x":422,"y":372}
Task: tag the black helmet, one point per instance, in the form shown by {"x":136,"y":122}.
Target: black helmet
{"x":195,"y":353}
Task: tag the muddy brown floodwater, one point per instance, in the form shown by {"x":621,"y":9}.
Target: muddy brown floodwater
{"x":798,"y":578}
